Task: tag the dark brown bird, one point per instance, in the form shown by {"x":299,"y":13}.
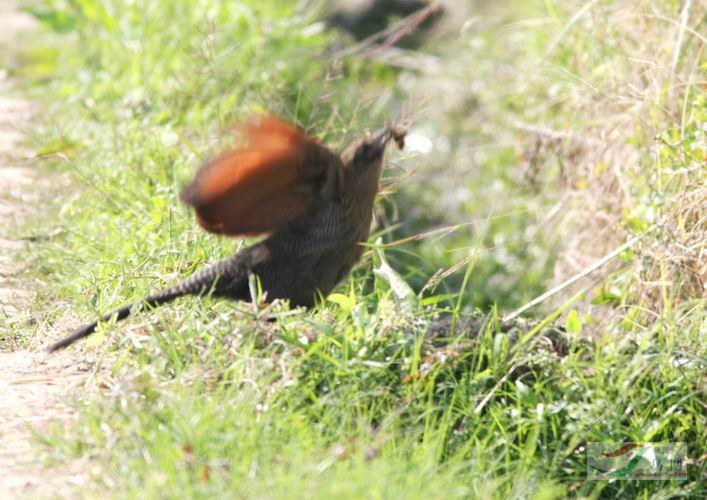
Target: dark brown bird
{"x":316,"y":205}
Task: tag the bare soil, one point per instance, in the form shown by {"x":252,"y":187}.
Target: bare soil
{"x":34,"y":387}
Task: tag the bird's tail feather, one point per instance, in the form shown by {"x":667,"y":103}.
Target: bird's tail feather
{"x":221,"y":278}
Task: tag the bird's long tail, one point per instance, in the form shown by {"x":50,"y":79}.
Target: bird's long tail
{"x":227,"y":278}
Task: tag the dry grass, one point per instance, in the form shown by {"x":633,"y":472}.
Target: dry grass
{"x":603,"y":104}
{"x":636,"y":165}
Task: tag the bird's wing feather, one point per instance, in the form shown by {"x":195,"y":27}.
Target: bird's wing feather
{"x":260,"y":186}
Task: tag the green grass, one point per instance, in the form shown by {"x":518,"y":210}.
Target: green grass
{"x":205,"y":398}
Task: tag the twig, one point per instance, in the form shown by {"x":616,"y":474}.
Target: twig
{"x":488,"y":397}
{"x":416,"y":19}
{"x":393,"y":33}
{"x":579,"y":276}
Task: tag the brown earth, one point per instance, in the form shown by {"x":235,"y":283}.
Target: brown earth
{"x":34,"y":388}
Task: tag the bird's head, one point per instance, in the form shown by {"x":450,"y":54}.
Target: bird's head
{"x":369,"y":150}
{"x":363,"y":160}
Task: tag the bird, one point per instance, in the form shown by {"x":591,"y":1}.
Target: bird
{"x":314,"y":206}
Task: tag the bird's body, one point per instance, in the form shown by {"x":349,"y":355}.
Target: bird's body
{"x":317,"y":205}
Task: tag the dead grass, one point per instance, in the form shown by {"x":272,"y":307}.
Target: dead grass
{"x":611,"y":123}
{"x":631,"y":102}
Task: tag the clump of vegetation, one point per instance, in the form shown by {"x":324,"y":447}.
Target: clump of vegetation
{"x":557,"y":132}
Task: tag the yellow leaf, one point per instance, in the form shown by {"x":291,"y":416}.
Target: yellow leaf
{"x":600,"y":167}
{"x":345,"y":302}
{"x":96,"y":339}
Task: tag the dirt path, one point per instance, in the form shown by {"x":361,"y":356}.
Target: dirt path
{"x":33,"y":386}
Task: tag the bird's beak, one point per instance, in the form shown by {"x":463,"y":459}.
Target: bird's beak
{"x":381,"y":138}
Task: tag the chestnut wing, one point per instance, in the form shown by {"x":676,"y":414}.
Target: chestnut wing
{"x":278,"y":174}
